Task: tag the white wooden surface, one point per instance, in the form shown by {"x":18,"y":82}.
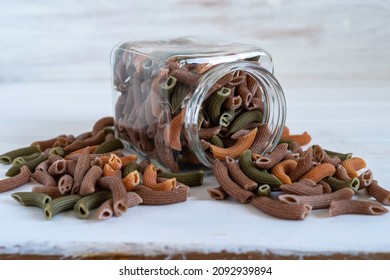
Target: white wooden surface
{"x":332,"y":58}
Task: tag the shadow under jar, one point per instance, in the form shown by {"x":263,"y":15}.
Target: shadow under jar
{"x":185,"y":102}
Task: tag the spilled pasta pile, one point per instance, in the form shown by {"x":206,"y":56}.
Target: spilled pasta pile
{"x":91,"y":171}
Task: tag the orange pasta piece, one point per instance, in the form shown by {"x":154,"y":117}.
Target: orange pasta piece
{"x":286,"y":131}
{"x":283,"y":168}
{"x":320,"y":172}
{"x":150,"y":180}
{"x":131,"y":180}
{"x":108,"y":170}
{"x":237,"y":149}
{"x":301,"y":139}
{"x":175,"y":128}
{"x":352,"y":165}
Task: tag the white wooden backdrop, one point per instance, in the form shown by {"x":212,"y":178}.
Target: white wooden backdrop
{"x":319,"y":42}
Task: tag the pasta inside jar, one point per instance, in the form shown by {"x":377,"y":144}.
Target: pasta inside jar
{"x":186,"y":102}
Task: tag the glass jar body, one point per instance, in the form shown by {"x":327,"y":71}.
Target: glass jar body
{"x":185,"y":101}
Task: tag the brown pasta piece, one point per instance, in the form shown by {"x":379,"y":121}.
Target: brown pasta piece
{"x":163,"y":151}
{"x":361,"y":207}
{"x":93,"y":140}
{"x":238,"y":175}
{"x":280,"y":209}
{"x":304,"y":187}
{"x":295,"y":148}
{"x":326,"y":188}
{"x":262,"y":136}
{"x":282,"y":169}
{"x":223,"y":81}
{"x":91,"y":149}
{"x":16,"y":181}
{"x":58,"y":167}
{"x":379,"y":193}
{"x":272,"y":158}
{"x":352,"y":165}
{"x":186,"y":77}
{"x":208,"y":133}
{"x":320,"y":172}
{"x":90,"y":179}
{"x":175,"y":128}
{"x":106,"y":211}
{"x":228,"y":185}
{"x":119,"y":194}
{"x":233,"y":102}
{"x":43,"y":178}
{"x":101,"y":124}
{"x":51,"y":191}
{"x":323,"y":157}
{"x":151,"y":197}
{"x":82,"y":166}
{"x":149,"y":179}
{"x":54,"y":158}
{"x":245,"y":94}
{"x":43,"y":166}
{"x":304,"y":164}
{"x":45,"y":144}
{"x":318,"y":201}
{"x":237,"y":149}
{"x":217,"y":193}
{"x":237,"y":80}
{"x":342,"y":173}
{"x":365,"y":179}
{"x":240,"y":133}
{"x":71,"y":166}
{"x":65,"y":184}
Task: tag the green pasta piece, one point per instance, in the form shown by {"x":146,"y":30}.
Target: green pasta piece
{"x":342,"y":156}
{"x":85,"y":204}
{"x":215,"y":103}
{"x":244,"y":119}
{"x":168,"y":84}
{"x":264,"y":190}
{"x":226,"y":118}
{"x":259,"y":176}
{"x":109,"y":146}
{"x":337,"y":184}
{"x":32,"y":199}
{"x":130,"y":168}
{"x":8,"y":157}
{"x":192,"y":179}
{"x":15,"y":170}
{"x":59,"y":205}
{"x":59,"y":151}
{"x":216,"y":141}
{"x":108,"y":130}
{"x":24,"y":159}
{"x":284,"y":140}
{"x":178,"y":96}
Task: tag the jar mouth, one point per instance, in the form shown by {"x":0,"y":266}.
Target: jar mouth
{"x":273,"y":98}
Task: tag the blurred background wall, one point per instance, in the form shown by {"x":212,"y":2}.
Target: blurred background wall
{"x":324,"y":42}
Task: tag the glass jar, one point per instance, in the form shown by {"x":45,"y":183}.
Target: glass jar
{"x":187,"y":101}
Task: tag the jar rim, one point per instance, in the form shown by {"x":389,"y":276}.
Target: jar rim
{"x":274,"y":104}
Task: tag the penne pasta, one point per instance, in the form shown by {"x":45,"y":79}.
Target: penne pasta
{"x":16,"y":181}
{"x":352,"y":165}
{"x":283,"y":168}
{"x":281,"y":210}
{"x":238,"y":175}
{"x":151,"y":197}
{"x":228,"y":185}
{"x":379,"y":193}
{"x":318,"y":201}
{"x":175,"y":128}
{"x":119,"y":194}
{"x":303,"y":187}
{"x":82,"y":167}
{"x":217,"y":193}
{"x":361,"y":207}
{"x":43,"y":178}
{"x":65,"y":184}
{"x":234,"y":151}
{"x":89,"y":180}
{"x":320,"y":172}
{"x":149,"y":179}
{"x":301,"y":139}
{"x":31,"y":199}
{"x":272,"y":158}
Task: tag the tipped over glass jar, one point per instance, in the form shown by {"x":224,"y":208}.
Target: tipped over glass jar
{"x":186,"y":101}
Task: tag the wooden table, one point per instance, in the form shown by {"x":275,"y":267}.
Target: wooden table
{"x":354,"y":119}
